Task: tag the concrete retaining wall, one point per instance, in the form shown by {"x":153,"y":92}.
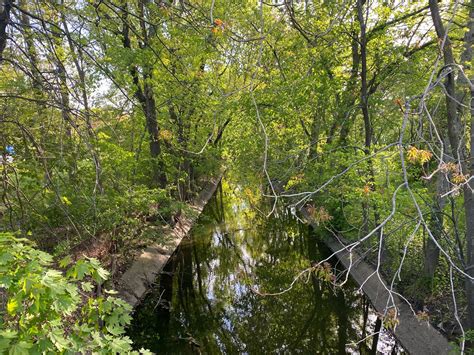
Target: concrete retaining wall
{"x":142,"y":273}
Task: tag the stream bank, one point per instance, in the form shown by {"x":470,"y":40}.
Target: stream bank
{"x":143,"y":271}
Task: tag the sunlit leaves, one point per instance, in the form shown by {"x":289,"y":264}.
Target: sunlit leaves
{"x":66,"y":201}
{"x":12,"y":306}
{"x":166,"y":135}
{"x":459,"y":178}
{"x":20,"y":348}
{"x":418,"y":156}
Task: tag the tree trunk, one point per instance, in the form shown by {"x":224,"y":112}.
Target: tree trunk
{"x":36,"y":76}
{"x":364,"y":96}
{"x":436,"y":227}
{"x":149,"y":107}
{"x":5,"y":8}
{"x":315,"y":131}
{"x":349,"y":97}
{"x":459,"y":152}
{"x":145,"y":95}
{"x":78,"y":59}
{"x":184,"y":163}
{"x":468,"y":195}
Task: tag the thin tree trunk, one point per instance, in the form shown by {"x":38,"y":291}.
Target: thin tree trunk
{"x":436,"y":227}
{"x":375,"y":341}
{"x":349,"y":97}
{"x":467,"y":57}
{"x":315,"y":132}
{"x":364,"y":96}
{"x":58,"y":57}
{"x":78,"y":59}
{"x":459,"y":152}
{"x":36,"y":76}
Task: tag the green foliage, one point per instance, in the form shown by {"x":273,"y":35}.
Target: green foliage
{"x":456,"y":345}
{"x":48,"y":311}
{"x":115,"y":109}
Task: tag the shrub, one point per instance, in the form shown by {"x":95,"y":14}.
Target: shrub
{"x":44,"y":310}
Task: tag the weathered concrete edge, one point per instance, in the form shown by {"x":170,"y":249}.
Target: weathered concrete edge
{"x":417,"y":337}
{"x":134,"y":283}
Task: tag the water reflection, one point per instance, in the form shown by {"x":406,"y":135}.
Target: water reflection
{"x":205,"y":299}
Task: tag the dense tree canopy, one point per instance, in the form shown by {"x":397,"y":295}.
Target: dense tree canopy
{"x":113,"y":113}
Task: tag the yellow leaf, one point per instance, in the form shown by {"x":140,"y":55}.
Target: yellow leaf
{"x":102,"y":136}
{"x":12,"y":306}
{"x":420,"y":156}
{"x":166,"y":135}
{"x":66,"y":200}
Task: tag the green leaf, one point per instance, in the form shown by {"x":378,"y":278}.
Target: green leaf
{"x":5,"y":258}
{"x":58,"y":339}
{"x":87,"y":286}
{"x":8,"y":334}
{"x":66,"y":201}
{"x":81,"y":269}
{"x":101,"y":274}
{"x":121,"y":345}
{"x":21,"y":348}
{"x":27,"y":283}
{"x":50,"y":279}
{"x":5,"y":281}
{"x":52,"y":298}
{"x":66,"y":261}
{"x":6,"y":337}
{"x":115,"y":330}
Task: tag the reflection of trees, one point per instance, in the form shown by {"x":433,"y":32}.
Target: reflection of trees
{"x":310,"y":317}
{"x":213,"y":306}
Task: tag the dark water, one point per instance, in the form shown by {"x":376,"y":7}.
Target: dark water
{"x":205,"y":299}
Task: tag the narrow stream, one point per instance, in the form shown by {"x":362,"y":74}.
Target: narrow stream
{"x":207,"y":298}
